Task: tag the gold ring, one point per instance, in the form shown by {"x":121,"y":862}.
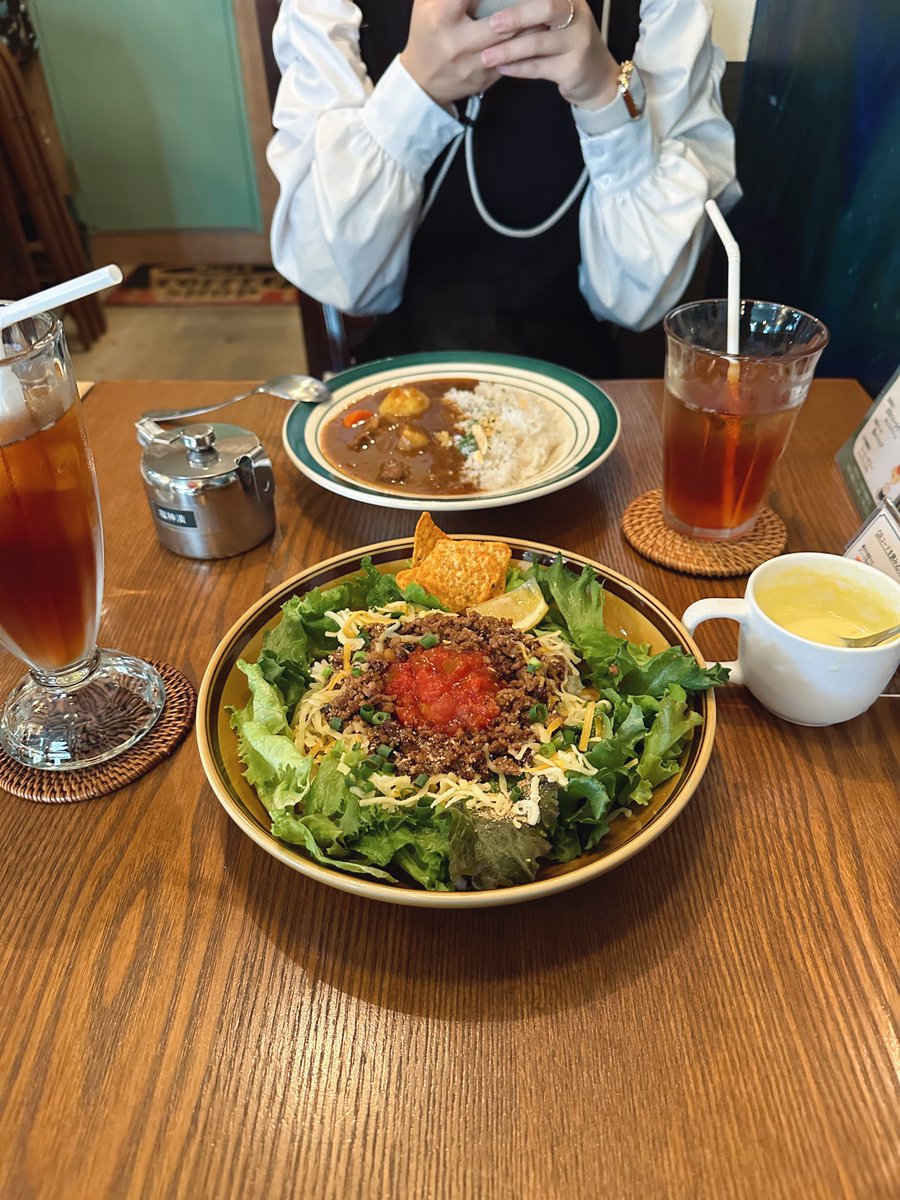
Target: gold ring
{"x":569,"y":19}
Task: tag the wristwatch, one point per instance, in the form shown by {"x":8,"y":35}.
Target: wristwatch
{"x":631,"y":89}
{"x":625,"y":107}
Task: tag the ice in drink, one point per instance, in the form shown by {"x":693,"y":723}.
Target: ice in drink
{"x":50,"y":545}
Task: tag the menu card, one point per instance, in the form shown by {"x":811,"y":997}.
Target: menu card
{"x":878,"y":541}
{"x":870,"y":460}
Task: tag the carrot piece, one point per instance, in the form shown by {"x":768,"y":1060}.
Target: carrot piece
{"x":356,"y":417}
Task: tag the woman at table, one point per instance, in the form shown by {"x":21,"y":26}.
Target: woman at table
{"x":564,"y":193}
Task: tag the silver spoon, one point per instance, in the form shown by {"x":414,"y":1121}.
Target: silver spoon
{"x":300,"y":389}
{"x":872,"y":639}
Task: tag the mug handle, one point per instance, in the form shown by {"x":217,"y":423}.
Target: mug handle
{"x":708,"y":610}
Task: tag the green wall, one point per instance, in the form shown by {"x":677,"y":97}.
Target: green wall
{"x":149,"y":100}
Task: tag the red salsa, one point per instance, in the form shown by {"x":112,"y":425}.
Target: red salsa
{"x":444,"y":689}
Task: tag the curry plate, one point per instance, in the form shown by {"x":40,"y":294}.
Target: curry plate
{"x":583,"y":414}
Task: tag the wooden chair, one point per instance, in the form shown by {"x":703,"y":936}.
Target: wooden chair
{"x":40,"y":226}
{"x":18,"y":276}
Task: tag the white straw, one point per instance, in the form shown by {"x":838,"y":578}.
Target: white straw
{"x":62,"y":293}
{"x":733,"y":252}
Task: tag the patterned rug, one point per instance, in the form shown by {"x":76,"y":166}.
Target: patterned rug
{"x":199,"y":285}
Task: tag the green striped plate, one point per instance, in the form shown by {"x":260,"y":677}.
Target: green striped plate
{"x":586,"y":415}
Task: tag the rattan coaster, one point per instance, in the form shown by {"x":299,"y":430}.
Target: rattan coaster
{"x":62,"y":787}
{"x":646,"y":532}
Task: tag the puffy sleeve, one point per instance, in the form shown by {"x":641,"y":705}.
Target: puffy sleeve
{"x":350,"y":160}
{"x":642,"y":221}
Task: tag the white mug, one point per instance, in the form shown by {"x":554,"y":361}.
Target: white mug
{"x":800,"y":680}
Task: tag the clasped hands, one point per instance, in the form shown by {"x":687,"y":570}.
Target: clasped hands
{"x":450,"y":55}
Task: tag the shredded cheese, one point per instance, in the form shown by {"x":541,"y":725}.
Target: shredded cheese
{"x":588,"y":726}
{"x":571,"y":703}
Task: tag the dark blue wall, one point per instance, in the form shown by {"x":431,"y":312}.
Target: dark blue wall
{"x":818,"y":143}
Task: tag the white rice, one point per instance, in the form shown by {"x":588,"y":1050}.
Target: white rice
{"x":508,"y":436}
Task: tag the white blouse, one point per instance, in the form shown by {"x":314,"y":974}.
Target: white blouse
{"x":351,"y":160}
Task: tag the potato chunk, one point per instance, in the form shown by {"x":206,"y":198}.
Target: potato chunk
{"x":412,"y":440}
{"x":404,"y":402}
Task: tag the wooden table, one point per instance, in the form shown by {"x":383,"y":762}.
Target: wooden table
{"x":184,"y":1016}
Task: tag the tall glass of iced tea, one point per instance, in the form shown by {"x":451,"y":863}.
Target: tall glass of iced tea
{"x":79,"y":705}
{"x":727,"y":418}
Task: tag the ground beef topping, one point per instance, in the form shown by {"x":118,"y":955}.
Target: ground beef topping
{"x":449,"y":693}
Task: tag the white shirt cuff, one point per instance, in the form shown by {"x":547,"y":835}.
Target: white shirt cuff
{"x":618,"y":160}
{"x":406,"y":123}
{"x":594,"y":121}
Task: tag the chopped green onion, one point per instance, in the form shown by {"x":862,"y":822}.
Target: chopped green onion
{"x":429,"y":641}
{"x":570,"y":736}
{"x":379,"y":718}
{"x":327,"y":672}
{"x":547,"y":748}
{"x":421,"y":780}
{"x":387,"y":768}
{"x":360,"y":656}
{"x":385,"y":751}
{"x":356,"y":672}
{"x":533,"y":664}
{"x":537,"y":712}
{"x":367,"y":712}
{"x":336,"y":724}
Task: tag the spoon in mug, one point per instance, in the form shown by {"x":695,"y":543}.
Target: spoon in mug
{"x":300,"y":389}
{"x":871,"y":639}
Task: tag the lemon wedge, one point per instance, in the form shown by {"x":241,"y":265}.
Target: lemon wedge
{"x":524,"y":606}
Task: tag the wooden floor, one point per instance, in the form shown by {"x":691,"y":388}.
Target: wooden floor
{"x":157,"y":342}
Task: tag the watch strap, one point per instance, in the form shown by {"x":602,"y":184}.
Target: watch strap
{"x":631,"y":89}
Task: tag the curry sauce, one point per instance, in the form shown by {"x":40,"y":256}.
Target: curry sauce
{"x":402,"y":439}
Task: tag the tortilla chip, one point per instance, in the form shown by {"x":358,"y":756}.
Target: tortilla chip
{"x":462,"y":573}
{"x":404,"y":578}
{"x":426,"y":537}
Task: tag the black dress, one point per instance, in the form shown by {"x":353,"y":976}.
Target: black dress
{"x":470,"y":288}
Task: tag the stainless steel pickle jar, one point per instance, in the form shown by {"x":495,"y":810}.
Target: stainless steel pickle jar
{"x":210,"y":487}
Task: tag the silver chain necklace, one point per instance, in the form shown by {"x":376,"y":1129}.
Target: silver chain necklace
{"x":473,"y":108}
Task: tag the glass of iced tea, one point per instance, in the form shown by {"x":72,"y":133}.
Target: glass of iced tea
{"x":727,"y":418}
{"x":78,"y":705}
